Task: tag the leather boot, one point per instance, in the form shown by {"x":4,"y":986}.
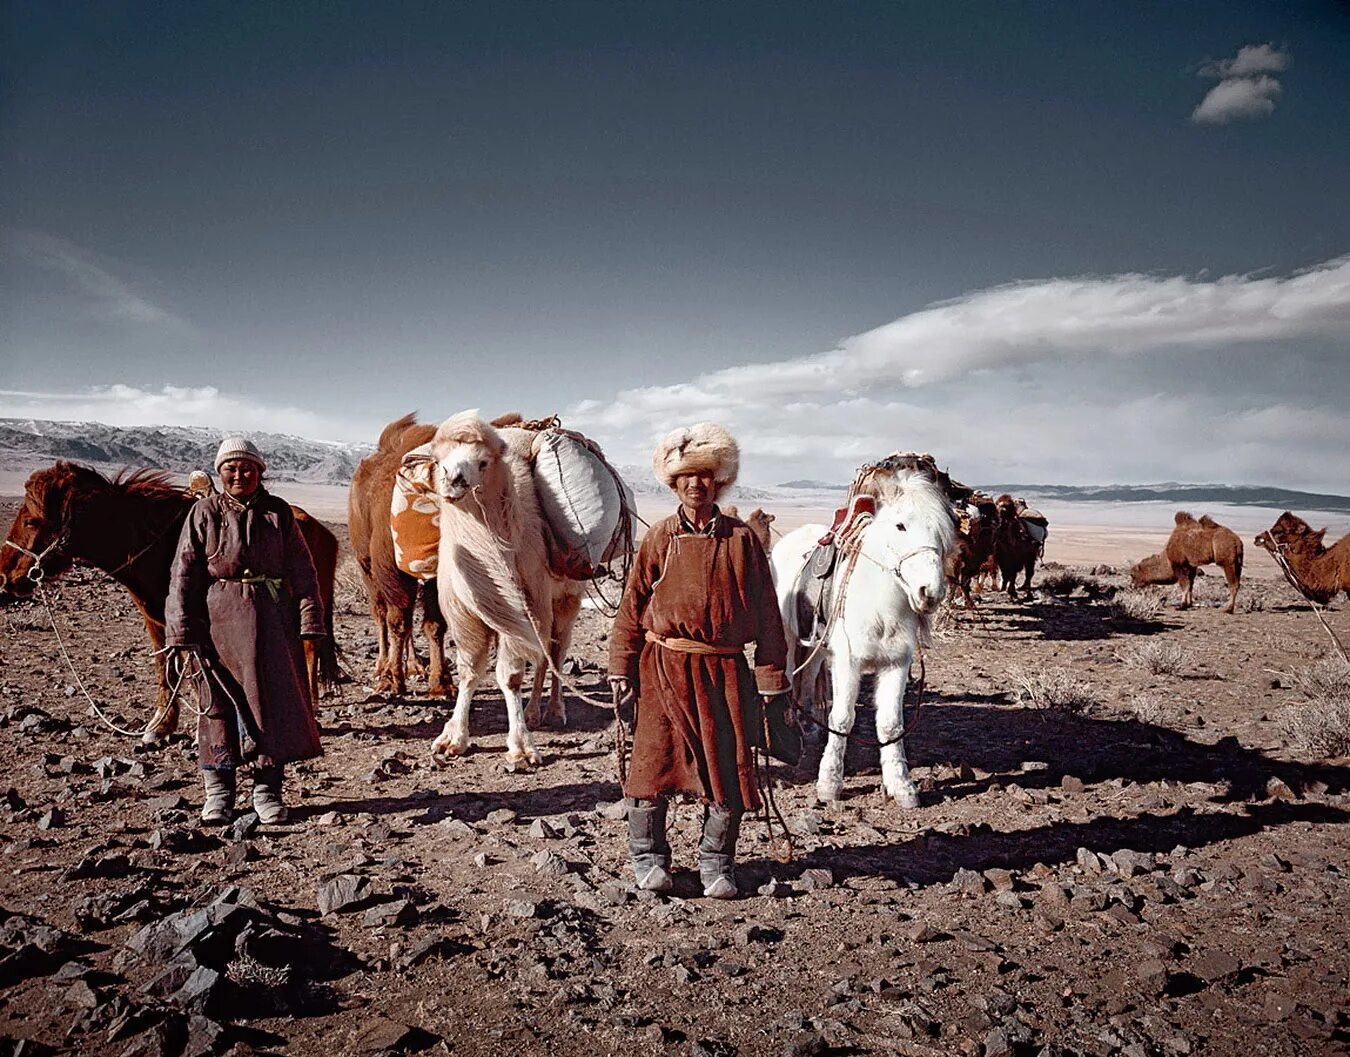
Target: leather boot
{"x":267,"y":795}
{"x":717,"y":852}
{"x":218,"y":807}
{"x":647,"y":844}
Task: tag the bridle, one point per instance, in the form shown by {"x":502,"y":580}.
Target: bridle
{"x":36,"y":573}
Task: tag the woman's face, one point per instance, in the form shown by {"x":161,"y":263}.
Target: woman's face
{"x":696,"y":491}
{"x":240,"y":477}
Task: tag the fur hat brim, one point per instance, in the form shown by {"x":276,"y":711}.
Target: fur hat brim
{"x":702,"y":447}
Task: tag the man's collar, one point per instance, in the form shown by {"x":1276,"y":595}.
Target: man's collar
{"x":710,"y":529}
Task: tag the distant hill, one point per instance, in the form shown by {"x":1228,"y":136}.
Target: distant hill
{"x":1180,"y":495}
{"x":28,"y":443}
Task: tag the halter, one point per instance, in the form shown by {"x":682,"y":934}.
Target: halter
{"x":35,"y":571}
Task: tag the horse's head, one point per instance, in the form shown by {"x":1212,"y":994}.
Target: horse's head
{"x":910,"y":536}
{"x":40,"y":541}
{"x":466,"y":450}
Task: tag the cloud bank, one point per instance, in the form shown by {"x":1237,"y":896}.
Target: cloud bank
{"x":942,"y":379}
{"x":1246,"y":88}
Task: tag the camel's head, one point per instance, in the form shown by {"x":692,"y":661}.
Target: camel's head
{"x":466,"y":450}
{"x":1291,"y":532}
{"x":1155,"y":569}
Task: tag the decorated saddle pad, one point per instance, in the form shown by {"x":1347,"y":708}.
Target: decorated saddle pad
{"x":415,"y":515}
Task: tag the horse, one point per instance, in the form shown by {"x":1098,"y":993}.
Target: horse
{"x":889,"y":582}
{"x":129,"y":526}
{"x":494,"y":580}
{"x":392,"y":593}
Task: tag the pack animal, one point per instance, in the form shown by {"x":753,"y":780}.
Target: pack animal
{"x":392,"y":593}
{"x":494,"y":580}
{"x":1321,"y":572}
{"x":977,"y":520}
{"x":893,"y":579}
{"x":1016,"y":546}
{"x":129,"y":527}
{"x":1193,"y":544}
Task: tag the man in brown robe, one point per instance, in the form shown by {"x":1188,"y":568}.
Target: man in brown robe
{"x":699,"y":592}
{"x":242,"y":595}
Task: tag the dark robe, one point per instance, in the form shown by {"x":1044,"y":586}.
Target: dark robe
{"x":248,"y":632}
{"x":698,"y":715}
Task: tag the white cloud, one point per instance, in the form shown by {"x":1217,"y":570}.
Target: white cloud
{"x":171,"y":405}
{"x":111,"y":298}
{"x":1245,"y":88}
{"x":940,"y":379}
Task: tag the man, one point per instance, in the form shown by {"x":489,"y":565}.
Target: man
{"x":699,"y":592}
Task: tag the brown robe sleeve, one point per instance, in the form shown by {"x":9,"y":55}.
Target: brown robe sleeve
{"x":770,"y":642}
{"x":626,"y":637}
{"x":301,"y":578}
{"x":185,"y":621}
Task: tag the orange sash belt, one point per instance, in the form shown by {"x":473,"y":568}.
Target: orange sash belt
{"x":694,"y":646}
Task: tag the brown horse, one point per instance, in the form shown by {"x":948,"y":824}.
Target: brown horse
{"x":1320,"y":571}
{"x":392,"y":592}
{"x":1193,"y":544}
{"x":129,"y":528}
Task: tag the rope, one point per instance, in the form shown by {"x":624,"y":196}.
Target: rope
{"x":1292,"y":577}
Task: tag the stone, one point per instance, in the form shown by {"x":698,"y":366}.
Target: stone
{"x":380,"y":1035}
{"x":1072,"y":784}
{"x":1214,"y":965}
{"x":400,"y":912}
{"x":811,"y":1044}
{"x":1001,"y":879}
{"x":343,"y":893}
{"x":816,"y":879}
{"x":973,"y":941}
{"x":458,"y":828}
{"x":540,"y":829}
{"x":1089,"y":860}
{"x":1278,"y":1006}
{"x":1278,"y":789}
{"x":203,"y":1036}
{"x":1129,"y":863}
{"x":80,"y":995}
{"x":52,"y":818}
{"x":969,"y":881}
{"x":242,"y":826}
{"x":521,"y":908}
{"x":921,"y":932}
{"x":502,"y":816}
{"x":774,"y":889}
{"x":549,"y":864}
{"x":997,"y":1044}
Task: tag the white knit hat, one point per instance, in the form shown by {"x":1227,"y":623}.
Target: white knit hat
{"x":702,"y":446}
{"x":239,"y":448}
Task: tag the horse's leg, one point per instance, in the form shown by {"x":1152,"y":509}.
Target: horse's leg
{"x":164,"y":719}
{"x":433,"y":627}
{"x":846,"y":678}
{"x":890,"y":702}
{"x":520,"y":750}
{"x":471,"y":657}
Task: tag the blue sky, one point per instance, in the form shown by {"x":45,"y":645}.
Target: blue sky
{"x":315,"y":217}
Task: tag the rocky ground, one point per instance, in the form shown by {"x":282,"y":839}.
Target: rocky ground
{"x":1118,"y":852}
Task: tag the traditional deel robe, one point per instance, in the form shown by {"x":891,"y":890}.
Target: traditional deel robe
{"x":243,"y":590}
{"x":698,"y":714}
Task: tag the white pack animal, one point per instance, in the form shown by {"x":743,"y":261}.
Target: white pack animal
{"x":493,"y":578}
{"x":893,"y":582}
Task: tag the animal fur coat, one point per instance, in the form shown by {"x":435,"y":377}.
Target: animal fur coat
{"x":698,"y":714}
{"x":248,"y":633}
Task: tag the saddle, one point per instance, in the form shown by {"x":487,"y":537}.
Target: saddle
{"x":813,"y":593}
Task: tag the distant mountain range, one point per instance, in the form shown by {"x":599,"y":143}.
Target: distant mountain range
{"x":29,"y":443}
{"x":26,"y":444}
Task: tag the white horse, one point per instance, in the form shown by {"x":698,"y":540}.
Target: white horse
{"x":890,"y":570}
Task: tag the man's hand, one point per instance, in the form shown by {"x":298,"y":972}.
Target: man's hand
{"x":621,"y":688}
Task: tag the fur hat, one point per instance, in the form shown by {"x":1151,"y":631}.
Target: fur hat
{"x":239,"y":448}
{"x":702,"y":446}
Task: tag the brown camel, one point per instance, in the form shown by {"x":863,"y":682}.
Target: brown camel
{"x":1320,"y":571}
{"x":391,"y":592}
{"x":1016,"y":548}
{"x":1193,"y":544}
{"x":759,"y":522}
{"x":974,"y":544}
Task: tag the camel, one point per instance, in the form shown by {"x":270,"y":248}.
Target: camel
{"x":391,"y":592}
{"x":758,"y":521}
{"x":1320,"y":572}
{"x":493,"y":577}
{"x":1016,"y":547}
{"x":1193,"y":544}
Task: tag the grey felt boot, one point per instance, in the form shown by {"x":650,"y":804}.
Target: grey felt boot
{"x":267,"y":795}
{"x":218,"y":807}
{"x":717,"y":852}
{"x":647,"y":844}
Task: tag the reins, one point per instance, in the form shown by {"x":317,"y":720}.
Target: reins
{"x":1277,"y":552}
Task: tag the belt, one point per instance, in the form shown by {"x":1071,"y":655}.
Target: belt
{"x":274,"y":584}
{"x":694,"y":646}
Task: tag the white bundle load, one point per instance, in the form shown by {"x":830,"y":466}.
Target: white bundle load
{"x":585,"y":502}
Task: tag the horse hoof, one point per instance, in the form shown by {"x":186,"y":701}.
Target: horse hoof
{"x":906,"y":797}
{"x":152,"y":738}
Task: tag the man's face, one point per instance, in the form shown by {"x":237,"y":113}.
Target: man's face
{"x":696,"y":490}
{"x":240,"y":477}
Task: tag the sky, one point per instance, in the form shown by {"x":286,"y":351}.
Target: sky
{"x":1073,"y":243}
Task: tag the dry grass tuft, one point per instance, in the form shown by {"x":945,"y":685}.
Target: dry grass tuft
{"x":1066,"y":582}
{"x":1149,"y":709}
{"x":1136,"y":606}
{"x":1320,"y":724}
{"x":349,"y":588}
{"x":1052,"y":688}
{"x":245,"y":971}
{"x":1158,"y":658}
